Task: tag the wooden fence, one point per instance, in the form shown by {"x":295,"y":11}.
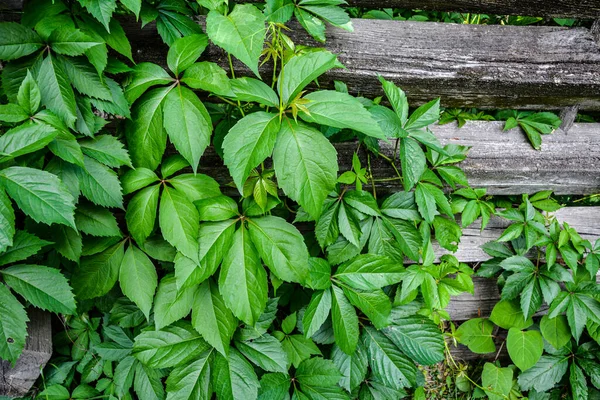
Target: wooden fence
{"x":467,"y":66}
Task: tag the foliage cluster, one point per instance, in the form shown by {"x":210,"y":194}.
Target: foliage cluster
{"x":173,"y":286}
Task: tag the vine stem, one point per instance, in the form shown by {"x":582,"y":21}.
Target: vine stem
{"x":371,"y":176}
{"x":239,"y":104}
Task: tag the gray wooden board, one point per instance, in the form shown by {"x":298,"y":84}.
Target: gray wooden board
{"x":503,"y":162}
{"x":466,"y":65}
{"x":16,"y":382}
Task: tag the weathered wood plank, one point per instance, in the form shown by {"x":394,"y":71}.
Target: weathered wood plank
{"x":466,"y":65}
{"x":503,"y":162}
{"x":16,"y":382}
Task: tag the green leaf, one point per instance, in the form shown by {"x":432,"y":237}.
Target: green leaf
{"x":318,"y":372}
{"x":419,"y":338}
{"x":299,"y":348}
{"x":184,"y":51}
{"x":302,"y":69}
{"x":253,"y":90}
{"x":13,"y":326}
{"x":316,"y":312}
{"x":25,"y":139}
{"x":147,"y":383}
{"x":281,"y":247}
{"x":353,"y":368}
{"x":340,"y":110}
{"x":408,"y":237}
{"x":507,"y":314}
{"x":233,"y":377}
{"x":212,"y":319}
{"x":144,"y":76}
{"x":266,"y":352}
{"x":345,"y":321}
{"x":274,"y":386}
{"x":545,"y":374}
{"x":141,"y":213}
{"x":192,"y":380}
{"x":7,"y":222}
{"x":312,"y":24}
{"x":174,"y":345}
{"x":579,"y":386}
{"x":196,"y":186}
{"x":100,"y":184}
{"x":71,"y":42}
{"x":423,"y":116}
{"x":241,"y":33}
{"x":249,"y":143}
{"x":134,"y":6}
{"x":138,"y":279}
{"x":170,"y":304}
{"x":39,"y":194}
{"x":29,"y":97}
{"x":56,"y":91}
{"x":84,"y":77}
{"x":217,"y":208}
{"x":214,"y":237}
{"x":97,"y":274}
{"x":146,"y":138}
{"x":524,"y":347}
{"x":24,"y":245}
{"x":375,"y":304}
{"x":12,"y":113}
{"x":306,"y":165}
{"x":497,"y":381}
{"x":106,"y":149}
{"x":208,"y":76}
{"x":102,"y":10}
{"x":17,"y":41}
{"x":187,"y":123}
{"x":349,"y":225}
{"x":369,"y":272}
{"x":413,"y":162}
{"x":397,"y":98}
{"x":388,"y":363}
{"x":477,"y":335}
{"x":243,"y":280}
{"x":43,"y":287}
{"x":555,"y":330}
{"x":179,"y":222}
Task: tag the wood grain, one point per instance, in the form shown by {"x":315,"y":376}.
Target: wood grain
{"x":16,"y":382}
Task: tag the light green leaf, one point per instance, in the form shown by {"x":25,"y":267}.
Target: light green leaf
{"x":387,"y":362}
{"x":56,"y":91}
{"x":340,"y":110}
{"x":170,"y":304}
{"x":253,"y":90}
{"x":423,"y":116}
{"x":13,"y":326}
{"x":316,"y":313}
{"x":419,"y":338}
{"x":477,"y":335}
{"x":144,"y":76}
{"x":17,"y":41}
{"x":249,"y":143}
{"x":134,"y":6}
{"x":281,"y":247}
{"x":24,"y":139}
{"x":397,"y":98}
{"x":302,"y":69}
{"x":299,"y":348}
{"x":192,"y":380}
{"x":375,"y":304}
{"x":102,"y":10}
{"x":312,"y":24}
{"x":498,"y":381}
{"x":39,"y":194}
{"x":43,"y":287}
{"x":100,"y":184}
{"x":29,"y":97}
{"x":179,"y":222}
{"x":207,"y":76}
{"x":345,"y":321}
{"x":211,"y":318}
{"x":413,"y":162}
{"x":106,"y":149}
{"x":369,"y":272}
{"x":243,"y":280}
{"x":138,"y":279}
{"x":524,"y":347}
{"x":507,"y":314}
{"x":71,"y":42}
{"x":233,"y":377}
{"x":174,"y":345}
{"x":97,"y":274}
{"x":353,"y":368}
{"x":141,"y":213}
{"x":306,"y":165}
{"x":136,"y":179}
{"x":213,"y":238}
{"x":241,"y":33}
{"x":146,"y":138}
{"x":266,"y":352}
{"x":318,"y":372}
{"x":185,"y":51}
{"x":217,"y":208}
{"x":12,"y":113}
{"x":196,"y":186}
{"x":555,"y":330}
{"x":187,"y":123}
